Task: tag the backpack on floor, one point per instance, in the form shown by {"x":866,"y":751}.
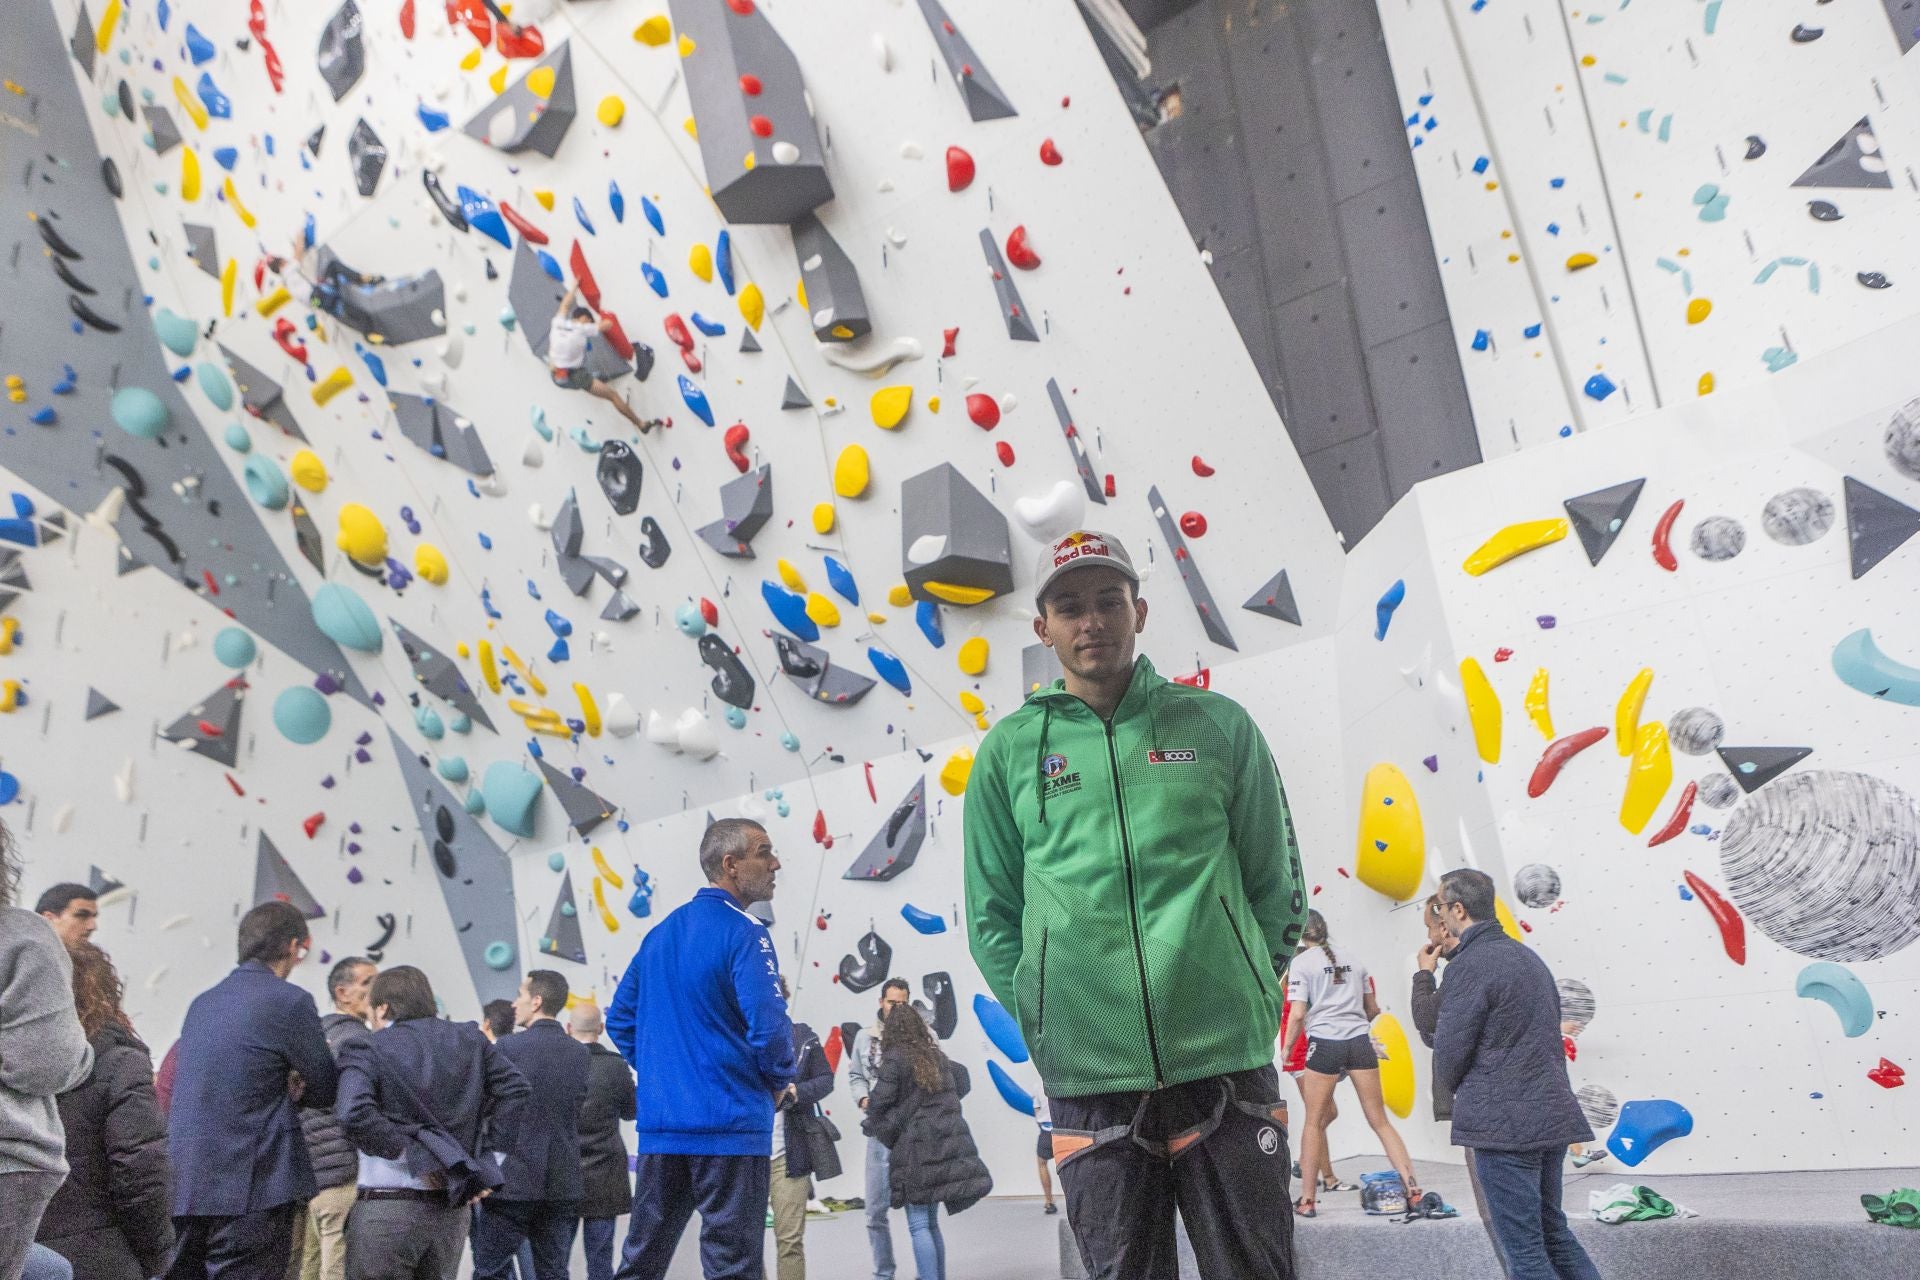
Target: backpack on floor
{"x":1383,"y":1193}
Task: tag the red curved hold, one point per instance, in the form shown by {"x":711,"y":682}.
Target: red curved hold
{"x":1049,"y":154}
{"x":736,"y":442}
{"x":616,"y":336}
{"x":1200,"y":468}
{"x":1555,"y":757}
{"x":406,"y":19}
{"x":1733,"y":929}
{"x":710,"y":611}
{"x":1663,"y":537}
{"x":819,"y":826}
{"x":950,"y":337}
{"x":520,"y":224}
{"x":1005,"y":451}
{"x":1020,"y":251}
{"x":984,"y":410}
{"x":959,"y":169}
{"x":1678,"y":822}
{"x":677,"y":331}
{"x":583,"y":276}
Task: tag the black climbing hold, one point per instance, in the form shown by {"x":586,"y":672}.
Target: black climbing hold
{"x":1756,"y":146}
{"x":73,"y":282}
{"x":449,"y":207}
{"x":93,"y":318}
{"x":654,"y":551}
{"x":443,"y":822}
{"x":1754,"y":767}
{"x":125,"y":93}
{"x":869,"y":969}
{"x":1873,"y":280}
{"x":444,"y":860}
{"x":619,"y":473}
{"x":1823,"y":211}
{"x":944,"y":1013}
{"x":314,"y":139}
{"x":732,"y":683}
{"x":642,"y":360}
{"x":55,"y":241}
{"x":1804,"y":34}
{"x":493,"y":272}
{"x":110,"y":174}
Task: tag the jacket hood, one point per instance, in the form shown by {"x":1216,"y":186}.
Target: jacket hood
{"x":115,"y":1036}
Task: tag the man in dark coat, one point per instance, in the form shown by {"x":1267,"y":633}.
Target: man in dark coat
{"x":250,"y":1051}
{"x":323,"y":1240}
{"x":1498,"y":1049}
{"x":793,"y":1171}
{"x":540,"y":1202}
{"x":603,"y":1150}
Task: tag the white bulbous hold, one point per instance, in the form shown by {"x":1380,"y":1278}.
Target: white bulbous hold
{"x":927,"y":548}
{"x":697,"y":735}
{"x":1052,"y":514}
{"x":451,"y":350}
{"x":911,"y":150}
{"x":660,"y":731}
{"x":882,"y":52}
{"x":541,"y":520}
{"x":785,"y":152}
{"x":494,"y":485}
{"x":619,"y":716}
{"x":533,"y":455}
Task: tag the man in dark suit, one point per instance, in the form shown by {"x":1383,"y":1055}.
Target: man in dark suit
{"x":540,"y":1202}
{"x":250,"y":1051}
{"x":603,"y":1150}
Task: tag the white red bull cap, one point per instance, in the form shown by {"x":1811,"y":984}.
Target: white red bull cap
{"x":1079,"y":550}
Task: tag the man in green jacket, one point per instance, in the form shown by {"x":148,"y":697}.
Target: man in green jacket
{"x":1134,"y":895}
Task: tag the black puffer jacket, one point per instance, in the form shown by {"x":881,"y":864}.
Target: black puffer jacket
{"x":1498,"y":1047}
{"x":933,"y":1159}
{"x":111,"y":1218}
{"x":603,"y":1149}
{"x":811,"y":1086}
{"x":335,"y":1162}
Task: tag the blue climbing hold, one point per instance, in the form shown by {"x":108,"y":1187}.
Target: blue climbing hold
{"x":923,"y":921}
{"x":616,"y":201}
{"x":696,"y":399}
{"x":1481,"y":339}
{"x":375,"y":365}
{"x":580,"y":215}
{"x":200,"y":50}
{"x":9,"y":787}
{"x":1480,"y":165}
{"x":926,"y":616}
{"x":1645,"y":1126}
{"x":890,"y":669}
{"x":723,"y":259}
{"x":655,"y":280}
{"x":1599,"y":387}
{"x":558,"y":651}
{"x":1010,"y":1093}
{"x":840,"y":578}
{"x":789,"y":610}
{"x":226,"y":157}
{"x":712,"y":328}
{"x":550,"y":264}
{"x":652,"y":211}
{"x":1383,"y":610}
{"x":1835,"y":986}
{"x":558,"y":625}
{"x":434,"y":120}
{"x":482,"y":216}
{"x":217,"y":104}
{"x":1000,"y":1027}
{"x":641,"y":903}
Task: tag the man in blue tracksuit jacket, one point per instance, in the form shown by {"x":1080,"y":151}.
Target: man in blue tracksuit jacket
{"x":700,"y":1017}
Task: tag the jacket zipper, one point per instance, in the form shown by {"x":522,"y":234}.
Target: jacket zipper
{"x":1133,"y":910}
{"x":1244,"y":953}
{"x":1040,"y":1023}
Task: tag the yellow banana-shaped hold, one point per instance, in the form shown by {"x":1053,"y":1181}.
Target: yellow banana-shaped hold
{"x":189,"y":175}
{"x":195,"y":109}
{"x":589,"y":710}
{"x":1483,"y":709}
{"x":228,"y":274}
{"x":488,"y":670}
{"x":109,"y":19}
{"x":600,"y":865}
{"x":233,"y":198}
{"x":1626,"y":715}
{"x":535,"y":682}
{"x":1514,"y":540}
{"x":273,"y":301}
{"x":607,"y":917}
{"x":1537,"y":710}
{"x":1648,"y":778}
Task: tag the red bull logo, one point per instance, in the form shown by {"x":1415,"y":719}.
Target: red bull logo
{"x":1078,"y":544}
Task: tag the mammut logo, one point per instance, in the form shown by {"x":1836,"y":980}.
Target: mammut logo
{"x":1269,"y":1140}
{"x":1172,"y":757}
{"x":1054,"y":765}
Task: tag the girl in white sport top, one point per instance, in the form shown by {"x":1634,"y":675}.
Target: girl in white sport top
{"x":1331,"y":1003}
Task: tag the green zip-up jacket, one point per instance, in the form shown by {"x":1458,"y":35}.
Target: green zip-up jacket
{"x":1133,"y":888}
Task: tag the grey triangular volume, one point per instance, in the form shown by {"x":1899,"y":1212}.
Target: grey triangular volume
{"x":1877,"y":525}
{"x":1599,"y":516}
{"x":1210,"y":619}
{"x":586,"y":809}
{"x":1275,"y":600}
{"x":1012,"y":310}
{"x":1901,"y":13}
{"x":620,"y":607}
{"x":1076,"y":445}
{"x":748,"y":343}
{"x":104,"y":886}
{"x":895,"y":846}
{"x":99,"y":704}
{"x":440,"y":675}
{"x":219,"y":741}
{"x":166,"y":134}
{"x":563,"y":926}
{"x":203,"y":248}
{"x":794,"y":397}
{"x":539,"y":124}
{"x":983,"y":96}
{"x":1854,"y":160}
{"x":261,"y":396}
{"x":1754,"y":767}
{"x":83,"y":41}
{"x":275,"y":881}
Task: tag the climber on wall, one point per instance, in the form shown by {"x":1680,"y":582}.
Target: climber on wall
{"x":1130,"y":855}
{"x":567,"y":354}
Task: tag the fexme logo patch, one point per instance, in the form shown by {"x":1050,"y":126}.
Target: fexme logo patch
{"x":1054,"y":765}
{"x":1055,"y":780}
{"x":1172,"y":757}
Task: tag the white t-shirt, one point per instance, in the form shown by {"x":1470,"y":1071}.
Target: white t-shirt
{"x":567,"y":342}
{"x":1335,"y":996}
{"x":779,"y":1134}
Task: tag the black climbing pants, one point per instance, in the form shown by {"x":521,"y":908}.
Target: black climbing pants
{"x":1212,"y":1148}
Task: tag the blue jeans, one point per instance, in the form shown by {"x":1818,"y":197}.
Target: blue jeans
{"x":1523,"y":1193}
{"x":730,"y":1195}
{"x":879,"y":1200}
{"x":44,"y":1264}
{"x":596,"y":1237}
{"x":929,"y":1246}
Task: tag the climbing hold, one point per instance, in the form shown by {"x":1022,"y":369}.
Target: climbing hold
{"x":890,"y":669}
{"x":984,"y":411}
{"x":302,"y":715}
{"x":654,"y":32}
{"x":1599,"y":387}
{"x":1020,"y":250}
{"x":1555,"y":757}
{"x":959,"y":169}
{"x":1836,"y":987}
{"x":214,"y":385}
{"x":1888,"y":1075}
{"x":1536,"y":703}
{"x":1860,"y":664}
{"x":1580,"y":261}
{"x":1678,"y":821}
{"x":823,"y":517}
{"x":890,"y":405}
{"x":1010,"y":1092}
{"x":822,"y":610}
{"x":972,"y":657}
{"x":176,"y":333}
{"x":1483,"y":709}
{"x":923,"y":921}
{"x":954,"y":773}
{"x":1663,"y":538}
{"x":1626,"y":712}
{"x":1397,"y":1077}
{"x":1733,"y":929}
{"x":234,"y":648}
{"x":265,"y":482}
{"x":498,"y":956}
{"x":512,"y":796}
{"x":1648,"y":778}
{"x":1049,"y":154}
{"x":611,"y":110}
{"x":1698,"y":309}
{"x":851,"y":472}
{"x":344,"y":618}
{"x":139,"y":412}
{"x":1391,"y":847}
{"x":753,"y":306}
{"x":1645,"y":1126}
{"x":362,"y":536}
{"x":308,"y":471}
{"x":430,"y":563}
{"x":332,"y":385}
{"x":1000,"y":1027}
{"x":1514,"y":540}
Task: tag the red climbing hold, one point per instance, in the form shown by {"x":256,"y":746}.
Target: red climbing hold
{"x":1678,"y":822}
{"x":1663,"y":538}
{"x":872,"y":794}
{"x":750,"y":85}
{"x":1733,"y":929}
{"x":1005,"y":451}
{"x":1049,"y":154}
{"x":1193,"y":524}
{"x":616,"y":336}
{"x":208,"y":729}
{"x":742,"y":7}
{"x":959,"y":169}
{"x":984,"y":411}
{"x":1888,"y":1075}
{"x":283,"y":334}
{"x":312,"y":824}
{"x":1019,"y":252}
{"x":1066,"y":102}
{"x":1201,"y":679}
{"x":952,"y":336}
{"x":521,"y":225}
{"x":406,"y":19}
{"x":677,"y":331}
{"x":819,"y":825}
{"x":1110,"y":492}
{"x":1555,"y":757}
{"x":1200,"y":468}
{"x":710,"y":611}
{"x":474,"y":14}
{"x":834,"y":1045}
{"x":736,"y":442}
{"x":692,"y":361}
{"x":518,"y":42}
{"x":583,"y":276}
{"x":820,"y":922}
{"x":761,"y":126}
{"x":1502,"y":654}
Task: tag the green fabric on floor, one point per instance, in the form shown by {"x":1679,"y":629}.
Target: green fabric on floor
{"x":1625,"y":1202}
{"x":1898,"y":1208}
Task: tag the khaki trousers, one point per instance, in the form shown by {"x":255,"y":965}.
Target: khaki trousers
{"x":323,"y":1254}
{"x":789,"y":1199}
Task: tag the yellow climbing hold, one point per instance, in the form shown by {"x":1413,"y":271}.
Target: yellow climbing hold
{"x":753,"y":306}
{"x":1504,"y":914}
{"x":973,"y":656}
{"x":430,"y":562}
{"x":823,"y":517}
{"x":1396,"y":1065}
{"x":851,"y":472}
{"x":970,"y":702}
{"x":693,"y":129}
{"x":308,"y":471}
{"x":109,"y":19}
{"x":789,"y":575}
{"x":611,"y":111}
{"x":195,"y":109}
{"x":526,"y":673}
{"x":189,"y":174}
{"x":607,"y":917}
{"x":899,"y":595}
{"x":1514,"y":540}
{"x":362,"y":536}
{"x":1626,"y":713}
{"x":687,"y":45}
{"x":800,"y":294}
{"x":1648,"y":778}
{"x":9,"y":630}
{"x":654,"y":32}
{"x":954,"y":593}
{"x":600,"y":865}
{"x":1698,"y":309}
{"x":822,"y":610}
{"x":933,"y":404}
{"x":498,"y":80}
{"x":1483,"y":709}
{"x":1705,"y":385}
{"x":700,"y":261}
{"x":1390,"y":850}
{"x":890,"y":405}
{"x":228,"y":275}
{"x":233,"y":198}
{"x":460,"y":648}
{"x":9,"y":695}
{"x":1581,"y":261}
{"x":955,"y":772}
{"x":273,"y":301}
{"x":332,"y":385}
{"x":487,"y":668}
{"x":545,"y":196}
{"x":589,"y":709}
{"x":471,"y":60}
{"x":1537,"y":710}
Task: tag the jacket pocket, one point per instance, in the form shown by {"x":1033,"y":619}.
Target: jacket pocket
{"x":1258,"y":982}
{"x":1040,"y":1017}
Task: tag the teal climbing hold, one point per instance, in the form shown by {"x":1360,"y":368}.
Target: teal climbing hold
{"x":513,"y":796}
{"x":428,"y":722}
{"x":302,"y":715}
{"x":498,"y":955}
{"x":237,"y":438}
{"x":1835,"y":986}
{"x":476,"y":804}
{"x":266,"y":482}
{"x":234,"y":648}
{"x":176,"y":333}
{"x":345,"y":619}
{"x":1860,"y":664}
{"x":556,"y":861}
{"x":453,"y":769}
{"x":214,"y":385}
{"x":1645,"y":1126}
{"x":139,"y":412}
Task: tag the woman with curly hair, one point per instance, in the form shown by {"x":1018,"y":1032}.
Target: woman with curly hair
{"x":111,"y":1217}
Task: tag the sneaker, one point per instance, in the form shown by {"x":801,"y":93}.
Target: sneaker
{"x":1586,"y":1158}
{"x":1052,"y":1207}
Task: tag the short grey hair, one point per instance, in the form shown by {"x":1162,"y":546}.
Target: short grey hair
{"x":728,"y":836}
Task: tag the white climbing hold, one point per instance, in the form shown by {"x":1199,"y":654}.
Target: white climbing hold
{"x":619,"y":716}
{"x":896,"y":237}
{"x":532,"y":455}
{"x":882,"y":52}
{"x":911,"y":150}
{"x":785,"y":152}
{"x":660,"y":731}
{"x":873,"y":362}
{"x":927,"y":548}
{"x":696,"y":734}
{"x":1054,"y":513}
{"x":541,"y":520}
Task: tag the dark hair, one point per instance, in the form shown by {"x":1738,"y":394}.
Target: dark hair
{"x":269,"y":929}
{"x":905,"y":1033}
{"x":582,"y":313}
{"x":893,"y":983}
{"x":9,"y":867}
{"x":61,"y":896}
{"x":341,"y":974}
{"x":96,"y":990}
{"x":726,"y":837}
{"x":549,"y":988}
{"x":406,"y":993}
{"x":1472,"y":889}
{"x":1315,"y":935}
{"x":498,"y":1015}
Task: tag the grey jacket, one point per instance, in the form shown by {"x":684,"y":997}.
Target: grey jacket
{"x":43,"y":1051}
{"x":863,"y":1068}
{"x":335,"y":1162}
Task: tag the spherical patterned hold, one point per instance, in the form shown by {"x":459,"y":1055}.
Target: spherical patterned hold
{"x":1577,"y":1004}
{"x":1719,"y":790}
{"x":1902,"y":440}
{"x":1797,"y":516}
{"x":1718,"y":538}
{"x":1695,"y":730}
{"x":302,"y":715}
{"x":1537,"y":885}
{"x":1827,"y":864}
{"x":1598,"y":1105}
{"x":139,"y":412}
{"x":234,"y":648}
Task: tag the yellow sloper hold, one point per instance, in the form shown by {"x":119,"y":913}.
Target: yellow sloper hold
{"x":1705,"y":385}
{"x":789,"y":576}
{"x":589,"y":709}
{"x":877,"y":619}
{"x":1514,"y":540}
{"x":533,"y":714}
{"x":933,"y":404}
{"x":1396,"y":1068}
{"x":1504,"y":914}
{"x":233,"y":198}
{"x":332,"y":385}
{"x":693,"y":130}
{"x":538,"y":685}
{"x":899,"y":595}
{"x":1581,"y":260}
{"x":1648,"y":778}
{"x":973,"y":656}
{"x":471,"y":60}
{"x":109,"y":19}
{"x":1483,"y":709}
{"x":1537,"y":709}
{"x":954,"y":593}
{"x":654,"y":32}
{"x":308,"y":471}
{"x":611,"y":876}
{"x":430,"y":562}
{"x":955,"y":772}
{"x":700,"y":262}
{"x":273,"y":301}
{"x":362,"y":536}
{"x":195,"y":109}
{"x":460,"y":648}
{"x":822,"y":512}
{"x":1626,"y":713}
{"x":228,"y":275}
{"x":611,"y":111}
{"x":851,"y":472}
{"x":890,"y":405}
{"x":498,"y":80}
{"x":970,"y":702}
{"x":488,"y":670}
{"x":545,"y":196}
{"x":189,"y":174}
{"x":9,"y":695}
{"x":1390,"y":851}
{"x":822,"y":610}
{"x":753,"y":305}
{"x":607,"y":917}
{"x":1698,"y":309}
{"x":800,"y":295}
{"x":539,"y":81}
{"x":687,"y":46}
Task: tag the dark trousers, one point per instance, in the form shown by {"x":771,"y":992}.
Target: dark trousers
{"x":596,"y":1237}
{"x":1523,"y":1192}
{"x":1230,"y":1188}
{"x":545,"y":1226}
{"x":405,"y":1240}
{"x":247,"y":1246}
{"x":730,"y":1194}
